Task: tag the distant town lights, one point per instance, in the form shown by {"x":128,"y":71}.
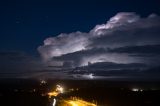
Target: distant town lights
{"x":56,"y":92}
{"x":137,"y":89}
{"x":42,"y":82}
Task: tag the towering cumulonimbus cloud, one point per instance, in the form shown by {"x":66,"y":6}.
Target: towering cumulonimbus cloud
{"x":125,"y":29}
{"x":116,"y":21}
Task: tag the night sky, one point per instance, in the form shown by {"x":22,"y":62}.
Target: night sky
{"x":37,"y":35}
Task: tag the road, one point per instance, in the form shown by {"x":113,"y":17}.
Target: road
{"x":76,"y":102}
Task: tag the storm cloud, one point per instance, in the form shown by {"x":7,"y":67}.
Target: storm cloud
{"x":121,"y":40}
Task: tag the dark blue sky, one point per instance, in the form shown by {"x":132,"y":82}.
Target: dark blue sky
{"x":25,"y":24}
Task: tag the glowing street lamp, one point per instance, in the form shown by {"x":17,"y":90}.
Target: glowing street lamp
{"x":59,"y":89}
{"x":56,"y":92}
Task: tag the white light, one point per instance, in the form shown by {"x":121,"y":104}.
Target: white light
{"x":59,"y":89}
{"x":91,"y":76}
{"x":54,"y":102}
{"x":135,"y":89}
{"x":141,"y":90}
{"x":88,"y":76}
{"x":43,"y":82}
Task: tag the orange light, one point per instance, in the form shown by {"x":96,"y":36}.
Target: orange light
{"x":56,"y":92}
{"x":52,"y":94}
{"x":79,"y":102}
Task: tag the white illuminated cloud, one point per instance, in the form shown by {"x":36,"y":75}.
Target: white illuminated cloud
{"x":62,"y":44}
{"x":124,"y":29}
{"x":120,"y":19}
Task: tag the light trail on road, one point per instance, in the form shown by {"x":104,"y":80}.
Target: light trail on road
{"x":77,"y":102}
{"x":54,"y":102}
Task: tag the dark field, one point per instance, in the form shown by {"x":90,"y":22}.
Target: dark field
{"x":18,"y":92}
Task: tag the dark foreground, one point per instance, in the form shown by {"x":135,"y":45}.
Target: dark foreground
{"x":18,"y":92}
